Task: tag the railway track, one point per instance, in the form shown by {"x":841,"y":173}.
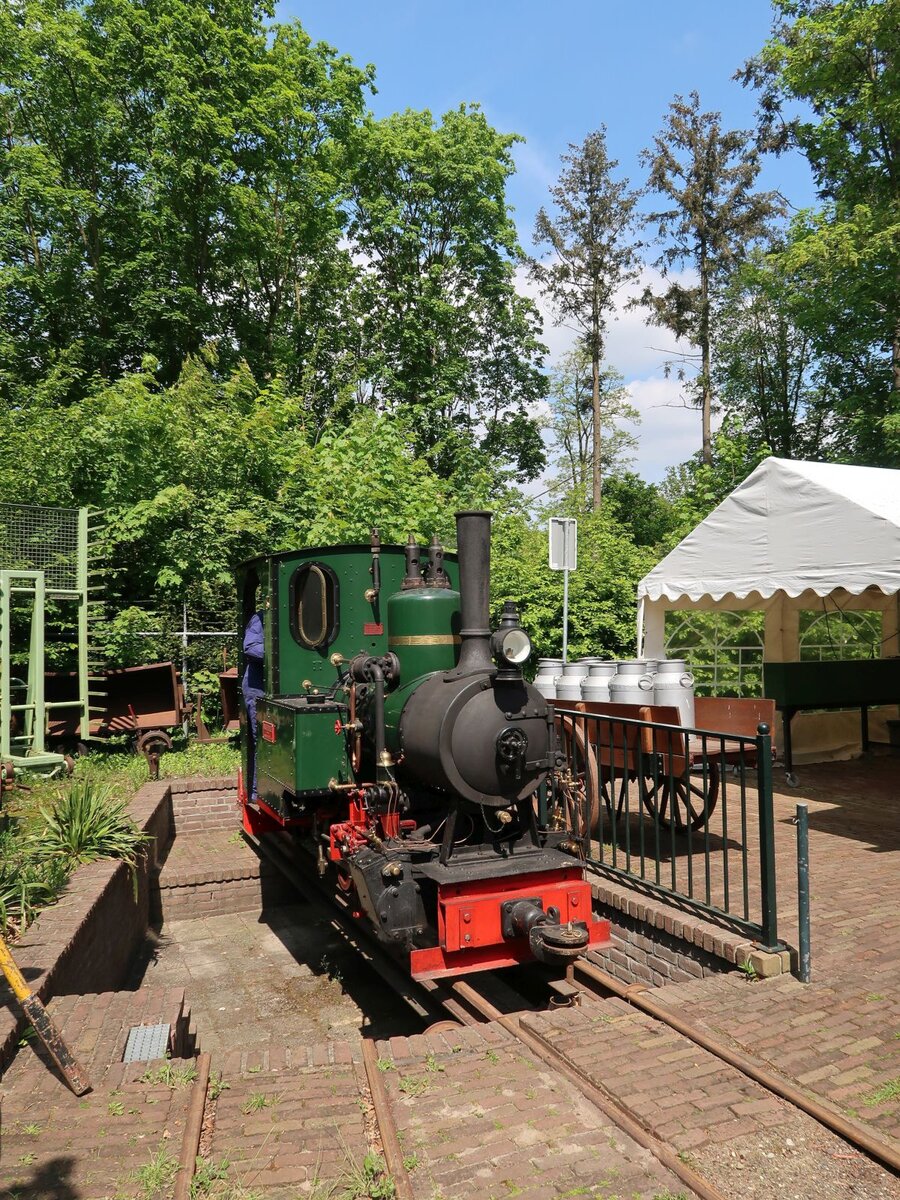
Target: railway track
{"x":488,"y":997}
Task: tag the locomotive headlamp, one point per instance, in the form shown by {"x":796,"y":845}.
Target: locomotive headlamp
{"x":510,"y":644}
{"x":514,"y":645}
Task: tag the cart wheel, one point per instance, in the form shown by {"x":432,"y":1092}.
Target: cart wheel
{"x":154,"y":741}
{"x":791,"y":779}
{"x":684,"y":802}
{"x":69,"y":763}
{"x":583,"y":760}
{"x":82,"y":749}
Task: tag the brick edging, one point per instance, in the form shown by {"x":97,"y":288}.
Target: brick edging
{"x":730,"y":947}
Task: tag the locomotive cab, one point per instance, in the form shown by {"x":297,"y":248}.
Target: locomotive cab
{"x":409,"y":767}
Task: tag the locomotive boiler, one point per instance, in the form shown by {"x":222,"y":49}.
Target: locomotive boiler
{"x":399,"y":741}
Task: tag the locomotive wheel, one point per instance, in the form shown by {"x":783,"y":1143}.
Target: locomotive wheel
{"x":682,"y":800}
{"x":444,"y":1027}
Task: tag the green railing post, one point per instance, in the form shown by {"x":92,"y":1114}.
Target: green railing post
{"x":766,"y":838}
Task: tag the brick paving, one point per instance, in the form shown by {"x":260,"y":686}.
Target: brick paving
{"x":59,"y":1147}
{"x":479,"y":1116}
{"x":839,"y":1036}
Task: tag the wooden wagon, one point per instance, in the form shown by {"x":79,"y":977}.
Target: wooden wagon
{"x":675,"y":772}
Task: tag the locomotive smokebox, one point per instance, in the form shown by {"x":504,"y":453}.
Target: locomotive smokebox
{"x":473,"y":732}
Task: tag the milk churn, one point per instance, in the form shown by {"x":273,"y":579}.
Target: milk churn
{"x":568,"y":684}
{"x":631,"y":683}
{"x":595,"y":686}
{"x":544,"y":680}
{"x":674,"y":686}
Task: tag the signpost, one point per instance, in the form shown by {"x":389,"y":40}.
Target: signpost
{"x":564,"y":557}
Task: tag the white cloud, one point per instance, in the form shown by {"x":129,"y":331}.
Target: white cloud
{"x":669,"y":431}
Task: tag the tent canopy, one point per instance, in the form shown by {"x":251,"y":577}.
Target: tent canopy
{"x":790,"y":528}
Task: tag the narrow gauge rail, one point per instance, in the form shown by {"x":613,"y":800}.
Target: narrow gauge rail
{"x":474,"y":1001}
{"x":596,"y":980}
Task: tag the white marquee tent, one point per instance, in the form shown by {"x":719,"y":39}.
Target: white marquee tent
{"x":793,"y":536}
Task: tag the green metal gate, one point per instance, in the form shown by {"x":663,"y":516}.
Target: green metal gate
{"x":45,"y":557}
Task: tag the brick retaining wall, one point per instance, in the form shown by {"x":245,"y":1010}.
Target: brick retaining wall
{"x":87,"y":940}
{"x":200,"y":805}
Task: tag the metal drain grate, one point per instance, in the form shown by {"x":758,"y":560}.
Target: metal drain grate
{"x":146,"y":1042}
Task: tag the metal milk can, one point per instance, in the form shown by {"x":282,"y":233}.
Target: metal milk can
{"x":568,"y":684}
{"x":674,"y":686}
{"x":632,"y":683}
{"x":544,"y":680}
{"x":595,"y":685}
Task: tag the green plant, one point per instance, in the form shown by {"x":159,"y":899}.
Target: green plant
{"x":748,"y":970}
{"x":410,"y":1162}
{"x":170,"y":1075}
{"x":888,"y":1091}
{"x":32,"y":1130}
{"x":206,"y":1173}
{"x":257,"y":1102}
{"x":217,"y":1086}
{"x":411,"y":1085}
{"x":115,"y":1108}
{"x":386,"y":1064}
{"x":432,"y":1064}
{"x":492,"y":1056}
{"x":87,"y":822}
{"x":156,"y":1177}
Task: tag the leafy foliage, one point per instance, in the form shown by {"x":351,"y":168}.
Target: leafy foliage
{"x":90,"y":822}
{"x":706,"y":178}
{"x":592,"y":255}
{"x":838,"y":58}
{"x":444,"y":335}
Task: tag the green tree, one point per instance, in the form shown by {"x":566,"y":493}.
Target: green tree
{"x":572,"y":421}
{"x":167,"y":177}
{"x":695,"y":488}
{"x":767,"y":370}
{"x":602,"y":592}
{"x":839,"y":59}
{"x":706,"y":176}
{"x":592,"y":255}
{"x":444,"y":335}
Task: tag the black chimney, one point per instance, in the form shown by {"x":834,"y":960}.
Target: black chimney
{"x":473,"y":547}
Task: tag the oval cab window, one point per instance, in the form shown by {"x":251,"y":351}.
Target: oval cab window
{"x":314,"y":605}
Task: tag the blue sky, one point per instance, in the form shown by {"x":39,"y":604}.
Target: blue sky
{"x":554,"y":73}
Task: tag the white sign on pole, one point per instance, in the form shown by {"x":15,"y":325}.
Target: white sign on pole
{"x":563,"y":544}
{"x":564,"y":557}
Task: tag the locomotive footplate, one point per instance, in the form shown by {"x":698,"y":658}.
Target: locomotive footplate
{"x":475,"y":931}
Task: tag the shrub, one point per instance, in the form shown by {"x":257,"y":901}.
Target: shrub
{"x":88,"y":822}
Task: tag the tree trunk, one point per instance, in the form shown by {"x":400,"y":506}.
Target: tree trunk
{"x":895,"y":359}
{"x":596,"y":477}
{"x":706,"y":365}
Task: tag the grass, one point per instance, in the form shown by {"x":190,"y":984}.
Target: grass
{"x":170,"y":1075}
{"x":257,"y":1102}
{"x":366,"y":1180}
{"x":412,"y":1085}
{"x":156,"y":1177}
{"x":49,"y":826}
{"x":889,"y":1091}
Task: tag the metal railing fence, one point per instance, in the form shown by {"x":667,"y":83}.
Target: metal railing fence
{"x":682,"y":813}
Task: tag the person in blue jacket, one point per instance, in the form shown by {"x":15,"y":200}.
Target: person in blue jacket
{"x":253,"y":684}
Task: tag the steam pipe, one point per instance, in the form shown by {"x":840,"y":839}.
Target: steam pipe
{"x":473,"y":543}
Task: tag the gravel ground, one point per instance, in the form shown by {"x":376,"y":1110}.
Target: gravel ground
{"x":800,"y":1160}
